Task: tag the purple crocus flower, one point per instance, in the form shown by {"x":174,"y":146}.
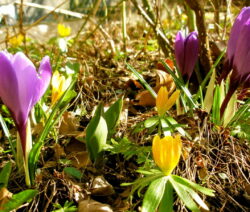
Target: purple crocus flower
{"x":238,"y":55}
{"x":241,"y":19}
{"x":21,"y":86}
{"x":186,"y":53}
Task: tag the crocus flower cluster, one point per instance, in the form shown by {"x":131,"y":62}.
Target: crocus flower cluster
{"x":21,"y":86}
{"x":186,"y":53}
{"x":163,"y":102}
{"x":238,"y":55}
{"x":167,"y":152}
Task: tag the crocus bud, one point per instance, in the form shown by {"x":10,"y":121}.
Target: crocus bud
{"x":163,"y":102}
{"x":167,"y":152}
{"x":186,"y":53}
{"x":238,"y":55}
{"x":59,"y":86}
{"x":240,"y":21}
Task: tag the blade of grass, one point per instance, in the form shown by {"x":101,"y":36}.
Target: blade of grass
{"x":7,"y":134}
{"x":241,"y":111}
{"x":180,"y":84}
{"x":204,"y":82}
{"x":140,"y":78}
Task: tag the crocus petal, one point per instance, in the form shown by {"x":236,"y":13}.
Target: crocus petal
{"x":27,"y":81}
{"x":191,"y":53}
{"x":44,"y":76}
{"x":234,"y":34}
{"x":9,"y":84}
{"x":241,"y":19}
{"x":20,"y":62}
{"x":241,"y":63}
{"x":162,"y":100}
{"x":179,"y":50}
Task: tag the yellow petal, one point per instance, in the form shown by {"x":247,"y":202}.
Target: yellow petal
{"x":166,"y":152}
{"x":63,"y":30}
{"x":161,"y":101}
{"x":172,"y":99}
{"x":58,"y":86}
{"x":16,"y":41}
{"x":55,"y":80}
{"x":156,"y":149}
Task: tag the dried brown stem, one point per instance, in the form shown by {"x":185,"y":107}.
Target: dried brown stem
{"x":162,"y":40}
{"x":205,"y":54}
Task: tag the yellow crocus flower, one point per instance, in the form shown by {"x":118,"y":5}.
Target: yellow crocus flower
{"x":59,"y":86}
{"x":63,"y":30}
{"x":16,"y":40}
{"x":163,"y":103}
{"x":167,"y":152}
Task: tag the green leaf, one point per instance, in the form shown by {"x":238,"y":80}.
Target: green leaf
{"x":175,"y":126}
{"x":230,"y":110}
{"x":5,"y":175}
{"x":204,"y":82}
{"x":165,"y":127}
{"x":112,"y":115}
{"x":184,"y":195}
{"x":68,"y":96}
{"x":167,"y":199}
{"x":67,"y":207}
{"x":152,"y":121}
{"x":73,"y":172}
{"x":154,"y":195}
{"x":96,"y":134}
{"x":7,"y":134}
{"x":72,"y":68}
{"x":141,"y":183}
{"x":193,"y":185}
{"x":18,"y":199}
{"x":33,"y":158}
{"x":216,"y":106}
{"x":187,"y":186}
{"x":242,"y":113}
{"x":208,"y":101}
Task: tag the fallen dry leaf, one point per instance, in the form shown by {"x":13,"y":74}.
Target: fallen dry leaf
{"x":69,"y":124}
{"x":5,"y":196}
{"x":101,"y":187}
{"x":59,"y":151}
{"x":93,"y":206}
{"x":202,"y":173}
{"x":76,"y":152}
{"x":168,"y":61}
{"x":79,"y":159}
{"x":144,"y":98}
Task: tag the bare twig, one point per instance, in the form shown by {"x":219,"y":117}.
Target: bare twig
{"x":162,"y":39}
{"x":36,"y":22}
{"x":205,"y":54}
